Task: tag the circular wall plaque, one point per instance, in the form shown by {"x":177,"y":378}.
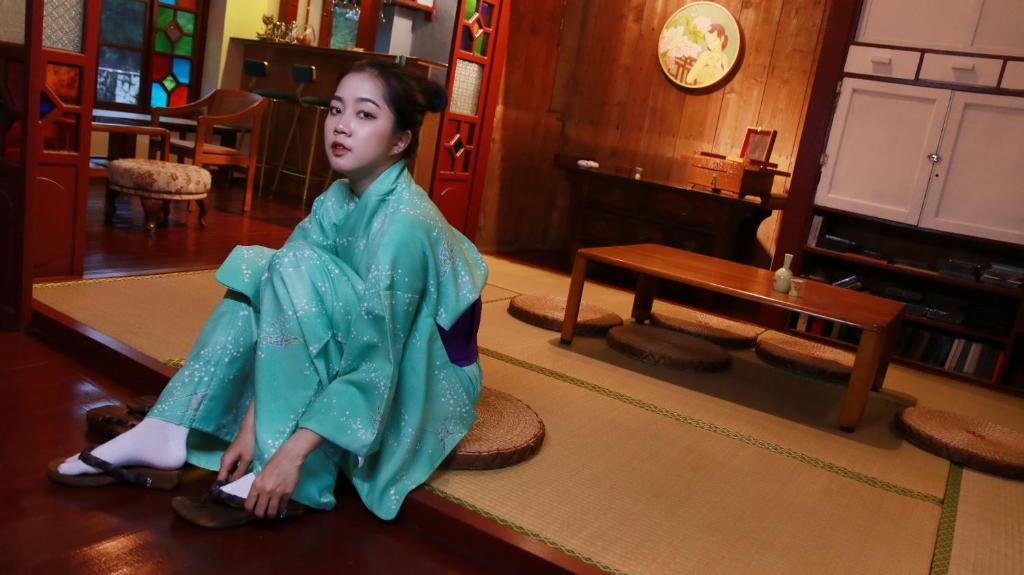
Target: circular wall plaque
{"x":699,"y":46}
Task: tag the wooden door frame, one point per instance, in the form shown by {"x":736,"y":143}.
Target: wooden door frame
{"x":16,"y":307}
{"x":494,"y":60}
{"x":840,"y":26}
{"x":492,"y":92}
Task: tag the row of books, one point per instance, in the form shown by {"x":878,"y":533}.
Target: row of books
{"x":1002,"y":274}
{"x":950,"y":353}
{"x":823,"y":327}
{"x":988,"y":314}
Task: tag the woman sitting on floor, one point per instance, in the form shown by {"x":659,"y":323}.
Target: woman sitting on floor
{"x":351,"y":348}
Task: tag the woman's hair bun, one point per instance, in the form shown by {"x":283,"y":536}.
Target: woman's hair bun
{"x":435,"y":96}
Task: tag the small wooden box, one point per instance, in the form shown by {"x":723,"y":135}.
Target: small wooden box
{"x":722,"y":175}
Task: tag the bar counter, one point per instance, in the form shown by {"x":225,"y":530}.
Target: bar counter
{"x":330,"y":64}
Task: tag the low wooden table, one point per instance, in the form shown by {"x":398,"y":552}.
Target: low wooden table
{"x":879,"y":318}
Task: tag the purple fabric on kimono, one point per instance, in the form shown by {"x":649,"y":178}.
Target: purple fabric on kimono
{"x":460,"y":340}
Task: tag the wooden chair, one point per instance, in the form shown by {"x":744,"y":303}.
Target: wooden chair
{"x":222,"y":107}
{"x":98,"y":169}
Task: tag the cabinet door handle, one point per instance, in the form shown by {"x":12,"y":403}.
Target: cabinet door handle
{"x":962,"y":66}
{"x":934,"y":158}
{"x":884,"y":60}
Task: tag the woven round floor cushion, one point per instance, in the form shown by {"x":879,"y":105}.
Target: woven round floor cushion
{"x":549,"y":311}
{"x":805,"y":356}
{"x":158,"y":180}
{"x":506,"y":432}
{"x":963,"y":439}
{"x":666,"y":347}
{"x":723,"y":331}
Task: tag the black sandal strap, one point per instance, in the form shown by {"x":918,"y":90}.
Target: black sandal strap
{"x":114,"y":420}
{"x":221,"y":496}
{"x":114,"y":471}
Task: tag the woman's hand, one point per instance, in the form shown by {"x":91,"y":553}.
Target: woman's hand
{"x":273,"y":487}
{"x":238,"y":456}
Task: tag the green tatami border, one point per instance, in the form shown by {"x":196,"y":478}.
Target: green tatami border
{"x":947,"y":521}
{"x":717,"y":429}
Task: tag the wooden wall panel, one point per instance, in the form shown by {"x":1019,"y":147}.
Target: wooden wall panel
{"x":582,"y":79}
{"x":526,"y":133}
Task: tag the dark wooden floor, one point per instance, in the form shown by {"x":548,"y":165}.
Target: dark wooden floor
{"x":126,"y":248}
{"x":47,"y":528}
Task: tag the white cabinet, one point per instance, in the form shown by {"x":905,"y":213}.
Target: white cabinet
{"x":876,"y":160}
{"x":939,"y":159}
{"x":976,"y":186}
{"x":979,"y":26}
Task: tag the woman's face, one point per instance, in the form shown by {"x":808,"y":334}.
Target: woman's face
{"x":713,"y":40}
{"x":359,"y":131}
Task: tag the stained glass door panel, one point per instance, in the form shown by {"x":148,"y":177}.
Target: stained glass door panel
{"x":174,"y":45}
{"x":59,"y":112}
{"x":461,"y":157}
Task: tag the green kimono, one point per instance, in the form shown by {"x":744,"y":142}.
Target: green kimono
{"x":337,"y":332}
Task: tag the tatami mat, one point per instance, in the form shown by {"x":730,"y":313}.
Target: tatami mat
{"x":989,"y":534}
{"x":645,"y":494}
{"x":647,"y":469}
{"x":754,"y":398}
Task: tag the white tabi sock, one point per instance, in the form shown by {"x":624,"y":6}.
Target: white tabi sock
{"x":151,"y":443}
{"x":240,"y":487}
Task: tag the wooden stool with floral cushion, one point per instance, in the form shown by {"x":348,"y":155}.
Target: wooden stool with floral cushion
{"x":805,"y":356}
{"x":156,"y":183}
{"x":723,"y":331}
{"x":548,"y":312}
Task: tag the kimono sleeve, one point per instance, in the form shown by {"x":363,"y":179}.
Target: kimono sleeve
{"x":351,"y":410}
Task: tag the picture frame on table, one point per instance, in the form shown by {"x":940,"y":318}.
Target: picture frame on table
{"x":758,"y":144}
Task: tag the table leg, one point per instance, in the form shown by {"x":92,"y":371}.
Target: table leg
{"x":644,"y":299}
{"x":572,"y":302}
{"x":871,"y":360}
{"x":891,"y":335}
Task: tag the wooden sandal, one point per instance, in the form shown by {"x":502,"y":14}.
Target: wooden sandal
{"x":114,"y":419}
{"x":219,"y":509}
{"x":148,"y":477}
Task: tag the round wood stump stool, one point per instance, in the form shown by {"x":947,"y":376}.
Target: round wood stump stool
{"x":805,"y":356}
{"x":156,"y":183}
{"x":966,"y":440}
{"x":506,"y":432}
{"x":549,"y":311}
{"x":723,"y":331}
{"x":666,"y":347}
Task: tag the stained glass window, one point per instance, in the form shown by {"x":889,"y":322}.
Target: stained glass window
{"x":173,"y":42}
{"x":65,"y":82}
{"x":476,"y":34}
{"x":148,"y":52}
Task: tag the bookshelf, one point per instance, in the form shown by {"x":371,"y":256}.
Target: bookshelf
{"x":956,"y":324}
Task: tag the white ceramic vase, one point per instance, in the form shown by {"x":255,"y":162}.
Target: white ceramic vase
{"x":783,"y":277}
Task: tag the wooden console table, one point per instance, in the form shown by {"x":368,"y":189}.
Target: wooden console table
{"x":879,"y":318}
{"x":611,"y":208}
